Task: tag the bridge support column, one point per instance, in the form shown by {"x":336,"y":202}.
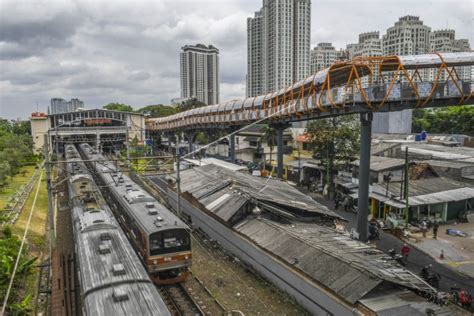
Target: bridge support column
{"x":169,"y":136}
{"x":177,"y":144}
{"x":232,"y":148}
{"x":279,"y":129}
{"x":364,"y":174}
{"x":190,"y":135}
{"x":97,"y":144}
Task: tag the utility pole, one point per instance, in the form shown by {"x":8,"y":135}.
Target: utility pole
{"x":50,"y":198}
{"x":178,"y":178}
{"x":407,"y":178}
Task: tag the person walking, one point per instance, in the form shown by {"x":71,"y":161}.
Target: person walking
{"x":405,"y":252}
{"x":435,"y":229}
{"x":424,"y":228}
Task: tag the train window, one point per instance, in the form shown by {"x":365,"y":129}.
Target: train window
{"x":169,"y":241}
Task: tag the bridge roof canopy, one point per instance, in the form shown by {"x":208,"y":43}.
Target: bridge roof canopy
{"x":435,"y":60}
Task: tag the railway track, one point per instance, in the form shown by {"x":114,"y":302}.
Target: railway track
{"x":179,"y":300}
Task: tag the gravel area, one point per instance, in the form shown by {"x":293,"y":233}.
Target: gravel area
{"x":235,"y":286}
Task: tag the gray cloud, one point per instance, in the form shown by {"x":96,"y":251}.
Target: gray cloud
{"x":129,"y":51}
{"x":24,"y":39}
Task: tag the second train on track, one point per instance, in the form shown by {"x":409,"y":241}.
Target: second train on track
{"x":160,"y":238}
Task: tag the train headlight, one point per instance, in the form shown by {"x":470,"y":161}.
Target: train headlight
{"x":155,"y":262}
{"x":186,"y":257}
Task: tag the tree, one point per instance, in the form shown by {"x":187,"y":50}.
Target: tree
{"x":448,"y":120}
{"x":269,"y":136}
{"x":334,"y":140}
{"x":158,"y":110}
{"x":190,"y":104}
{"x":118,"y":107}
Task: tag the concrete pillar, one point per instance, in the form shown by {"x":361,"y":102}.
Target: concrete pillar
{"x":190,"y":136}
{"x":177,"y":145}
{"x":279,"y":129}
{"x":170,"y":145}
{"x":364,"y":174}
{"x":232,"y":148}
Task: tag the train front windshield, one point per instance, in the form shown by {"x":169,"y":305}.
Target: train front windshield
{"x":169,"y":241}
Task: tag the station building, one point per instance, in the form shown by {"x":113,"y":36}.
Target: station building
{"x":104,"y":128}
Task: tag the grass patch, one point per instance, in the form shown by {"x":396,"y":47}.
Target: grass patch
{"x":37,"y":229}
{"x":36,"y":237}
{"x":20,"y":179}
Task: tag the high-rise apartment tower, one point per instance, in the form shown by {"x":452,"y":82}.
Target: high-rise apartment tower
{"x":278,"y":45}
{"x":200,"y":73}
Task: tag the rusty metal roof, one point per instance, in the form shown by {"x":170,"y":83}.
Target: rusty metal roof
{"x":211,"y":183}
{"x":347,"y":267}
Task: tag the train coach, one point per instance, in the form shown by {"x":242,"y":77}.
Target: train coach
{"x":111,"y":277}
{"x":160,"y":238}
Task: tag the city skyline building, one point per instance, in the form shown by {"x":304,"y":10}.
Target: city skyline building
{"x":278,"y":45}
{"x":60,"y":105}
{"x":323,"y":56}
{"x":199,"y":69}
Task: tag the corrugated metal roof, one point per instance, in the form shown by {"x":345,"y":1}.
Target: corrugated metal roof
{"x":349,"y":268}
{"x":425,"y":186}
{"x":383,"y":163}
{"x":449,"y":164}
{"x":395,"y":303}
{"x":440,"y":197}
{"x":208,"y":183}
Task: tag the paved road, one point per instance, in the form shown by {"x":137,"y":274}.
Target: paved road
{"x":417,"y":259}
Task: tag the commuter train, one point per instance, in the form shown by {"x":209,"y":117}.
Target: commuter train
{"x":160,"y":238}
{"x":111,"y":277}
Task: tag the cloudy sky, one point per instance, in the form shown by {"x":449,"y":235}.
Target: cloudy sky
{"x":128,"y":51}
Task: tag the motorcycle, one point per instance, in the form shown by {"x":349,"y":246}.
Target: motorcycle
{"x":397,"y":257}
{"x":433,"y":279}
{"x":373,"y":231}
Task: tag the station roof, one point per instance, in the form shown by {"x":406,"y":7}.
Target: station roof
{"x":347,"y":267}
{"x":95,"y":110}
{"x":225,"y":192}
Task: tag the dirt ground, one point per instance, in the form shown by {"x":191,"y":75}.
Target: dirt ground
{"x":237,"y":288}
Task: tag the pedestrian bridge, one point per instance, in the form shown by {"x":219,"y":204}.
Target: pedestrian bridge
{"x":365,"y":84}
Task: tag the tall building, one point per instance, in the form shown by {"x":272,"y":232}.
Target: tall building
{"x":278,"y":45}
{"x":200,"y":73}
{"x":369,"y":44}
{"x":256,"y":70}
{"x":409,"y":36}
{"x":444,"y":41}
{"x":323,"y":56}
{"x":59,"y":105}
{"x":75,"y":104}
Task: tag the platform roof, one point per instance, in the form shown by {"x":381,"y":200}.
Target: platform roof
{"x":225,"y":192}
{"x":349,"y":268}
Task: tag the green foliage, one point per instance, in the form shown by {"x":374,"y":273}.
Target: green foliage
{"x":190,"y":104}
{"x":450,"y":120}
{"x":7,"y":231}
{"x":202,"y":138}
{"x":118,"y":107}
{"x":21,"y":308}
{"x":270,"y":137}
{"x":9,"y":247}
{"x":158,"y":110}
{"x":16,"y":146}
{"x":334,"y":140}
